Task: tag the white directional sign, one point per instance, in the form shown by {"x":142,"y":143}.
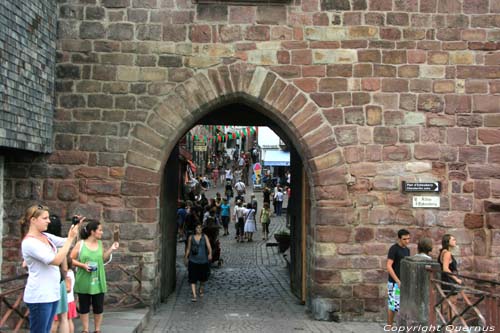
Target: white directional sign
{"x":426,"y":202}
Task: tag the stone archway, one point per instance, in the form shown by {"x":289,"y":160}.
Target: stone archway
{"x":298,"y":116}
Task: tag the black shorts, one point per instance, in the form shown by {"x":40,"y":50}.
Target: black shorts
{"x":225,"y":221}
{"x":198,"y":272}
{"x":97,"y":301}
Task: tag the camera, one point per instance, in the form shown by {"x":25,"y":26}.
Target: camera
{"x":75,"y":220}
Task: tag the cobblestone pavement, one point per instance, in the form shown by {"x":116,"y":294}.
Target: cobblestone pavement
{"x":249,"y":293}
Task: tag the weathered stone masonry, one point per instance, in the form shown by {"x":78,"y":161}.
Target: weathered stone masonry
{"x":370,"y":91}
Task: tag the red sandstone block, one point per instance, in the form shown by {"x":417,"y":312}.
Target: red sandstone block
{"x":456,"y":136}
{"x":200,"y":34}
{"x":294,"y":45}
{"x":380,"y":5}
{"x":313,"y":71}
{"x":373,"y":56}
{"x":332,"y":84}
{"x":494,"y":154}
{"x":476,"y":87}
{"x":141,"y":175}
{"x":426,"y":152}
{"x":343,"y":70}
{"x":482,"y":189}
{"x":354,"y":44}
{"x":396,"y":153}
{"x":476,"y":6}
{"x":363,"y":70}
{"x":258,"y":33}
{"x":384,"y":70}
{"x":287,"y":72}
{"x":431,"y":103}
{"x":242,"y":14}
{"x":333,"y":234}
{"x":325,"y":45}
{"x":370,"y":84}
{"x":281,"y":33}
{"x":472,"y":154}
{"x":301,"y":57}
{"x":323,"y":100}
{"x":489,"y":136}
{"x":486,"y":103}
{"x":394,"y":57}
{"x":461,"y":202}
{"x":457,"y":104}
{"x":478,"y":72}
{"x":334,"y":116}
{"x":394,"y":85}
{"x":342,"y":99}
{"x":495,"y":86}
{"x":321,"y":19}
{"x":283,"y":57}
{"x":307,"y":84}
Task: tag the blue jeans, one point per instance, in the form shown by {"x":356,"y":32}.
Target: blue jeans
{"x":41,"y":316}
{"x":279,"y":208}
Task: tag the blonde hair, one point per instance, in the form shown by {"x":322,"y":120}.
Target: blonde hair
{"x":32,"y":211}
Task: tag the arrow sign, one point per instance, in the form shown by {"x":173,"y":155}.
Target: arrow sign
{"x":422,"y":187}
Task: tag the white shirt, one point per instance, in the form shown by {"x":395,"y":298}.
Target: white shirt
{"x":71,"y":296}
{"x":249,"y":214}
{"x":229,"y":174}
{"x":278,"y":196}
{"x":240,"y":186}
{"x":239,"y":212}
{"x":43,"y":285}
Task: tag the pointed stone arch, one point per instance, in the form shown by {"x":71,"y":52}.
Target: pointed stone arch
{"x":193,"y":99}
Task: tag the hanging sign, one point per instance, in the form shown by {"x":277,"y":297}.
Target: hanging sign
{"x":426,"y":202}
{"x":422,"y":187}
{"x":200,"y":146}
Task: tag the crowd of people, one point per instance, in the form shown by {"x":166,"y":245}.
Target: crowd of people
{"x":52,"y":283}
{"x":447,"y":262}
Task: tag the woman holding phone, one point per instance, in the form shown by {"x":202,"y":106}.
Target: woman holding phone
{"x":42,"y":259}
{"x":90,"y":285}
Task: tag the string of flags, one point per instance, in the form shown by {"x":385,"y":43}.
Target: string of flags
{"x":224,"y":137}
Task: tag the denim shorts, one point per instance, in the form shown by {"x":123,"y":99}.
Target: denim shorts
{"x":41,"y":316}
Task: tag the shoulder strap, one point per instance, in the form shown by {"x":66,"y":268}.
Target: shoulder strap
{"x":80,"y":249}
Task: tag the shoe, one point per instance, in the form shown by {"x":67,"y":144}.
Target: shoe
{"x":193,"y":299}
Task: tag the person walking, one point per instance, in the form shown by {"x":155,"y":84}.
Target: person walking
{"x":197,"y":258}
{"x":279,"y":201}
{"x":239,"y":218}
{"x":249,"y":227}
{"x":396,"y":253}
{"x":41,"y":257}
{"x":265,"y":220}
{"x":90,"y":281}
{"x":225,"y":215}
{"x":448,"y":265}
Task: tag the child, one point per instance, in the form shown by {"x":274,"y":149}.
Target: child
{"x":70,"y":283}
{"x":265,"y":219}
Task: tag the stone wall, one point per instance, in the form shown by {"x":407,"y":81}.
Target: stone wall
{"x":27,"y":60}
{"x":371,"y":93}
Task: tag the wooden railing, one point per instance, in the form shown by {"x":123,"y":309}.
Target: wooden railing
{"x":474,"y":305}
{"x":14,"y":312}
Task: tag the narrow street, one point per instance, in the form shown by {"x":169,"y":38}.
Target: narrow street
{"x":249,"y":293}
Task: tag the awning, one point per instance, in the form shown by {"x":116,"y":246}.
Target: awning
{"x":276,"y":158}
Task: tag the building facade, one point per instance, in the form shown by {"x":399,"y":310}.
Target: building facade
{"x":371,"y":93}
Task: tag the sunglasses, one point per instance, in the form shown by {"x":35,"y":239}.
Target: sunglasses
{"x":38,"y":208}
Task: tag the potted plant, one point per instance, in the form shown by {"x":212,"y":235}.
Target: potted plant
{"x":283,"y":239}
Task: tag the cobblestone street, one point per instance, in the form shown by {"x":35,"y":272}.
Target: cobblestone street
{"x":249,"y":293}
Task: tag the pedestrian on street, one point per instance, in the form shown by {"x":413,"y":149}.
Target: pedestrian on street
{"x":279,"y":201}
{"x":240,"y":187}
{"x":90,"y":281}
{"x":197,"y":258}
{"x":41,"y":257}
{"x":265,"y":220}
{"x":249,"y":227}
{"x":225,"y":215}
{"x":215,"y":176}
{"x":266,"y":193}
{"x":396,"y":253}
{"x":239,"y":218}
{"x":181,"y":219}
